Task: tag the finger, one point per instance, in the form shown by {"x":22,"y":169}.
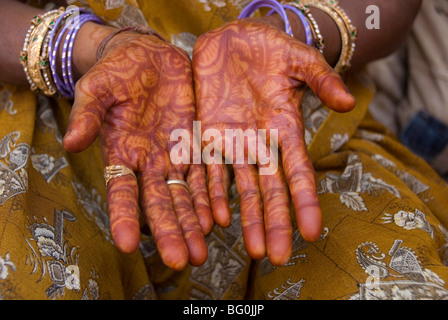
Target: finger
{"x":300,"y":177}
{"x":308,"y":65}
{"x":277,"y":217}
{"x":197,"y":182}
{"x":157,"y":206}
{"x":218,"y":182}
{"x":92,"y":99}
{"x":189,"y":223}
{"x":122,"y":199}
{"x":246,"y":177}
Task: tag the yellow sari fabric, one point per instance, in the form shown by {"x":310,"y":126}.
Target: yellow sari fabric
{"x":385,"y":210}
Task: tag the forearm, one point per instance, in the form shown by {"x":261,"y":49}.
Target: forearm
{"x":396,"y":18}
{"x":15,"y":20}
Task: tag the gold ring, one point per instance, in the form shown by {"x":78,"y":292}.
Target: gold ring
{"x":168,"y":182}
{"x":111,"y":172}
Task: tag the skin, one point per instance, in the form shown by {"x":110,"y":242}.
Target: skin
{"x":134,"y":97}
{"x":250,"y":75}
{"x":142,"y":89}
{"x":242,"y":83}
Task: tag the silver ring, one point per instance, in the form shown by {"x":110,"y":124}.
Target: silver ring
{"x":168,"y":182}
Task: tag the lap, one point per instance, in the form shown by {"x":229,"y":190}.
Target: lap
{"x":384,"y":226}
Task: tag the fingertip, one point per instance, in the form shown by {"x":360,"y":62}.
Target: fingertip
{"x":68,"y":142}
{"x":256,"y":251}
{"x":74,"y":141}
{"x":221,"y":212}
{"x":345,"y":102}
{"x":279,"y":252}
{"x":197,"y":249}
{"x":205,"y":220}
{"x":176,"y":258}
{"x":311,"y":237}
{"x":255,"y":241}
{"x":309,"y":221}
{"x":279,"y":261}
{"x":126,"y":236}
{"x":335,"y":95}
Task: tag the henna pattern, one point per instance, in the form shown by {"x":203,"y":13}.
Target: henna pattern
{"x":250,"y":75}
{"x":134,"y":97}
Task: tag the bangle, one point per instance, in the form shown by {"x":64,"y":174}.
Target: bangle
{"x":319,"y":41}
{"x":276,"y":6}
{"x":41,"y":46}
{"x":61,"y":28}
{"x":45,"y":68}
{"x":306,"y":24}
{"x":68,"y":31}
{"x":67,"y":53}
{"x":347,"y":31}
{"x":34,"y":55}
{"x":351,"y":30}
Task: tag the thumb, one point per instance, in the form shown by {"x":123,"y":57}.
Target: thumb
{"x":308,"y":65}
{"x":92,"y":99}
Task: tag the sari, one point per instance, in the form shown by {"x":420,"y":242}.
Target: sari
{"x":385,"y":210}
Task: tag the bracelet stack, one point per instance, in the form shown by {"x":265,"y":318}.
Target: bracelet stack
{"x":41,"y":47}
{"x":319,"y":41}
{"x":304,"y":20}
{"x":274,"y":5}
{"x":313,"y":34}
{"x":348,"y":32}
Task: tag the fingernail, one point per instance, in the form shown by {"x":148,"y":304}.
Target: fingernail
{"x":68,"y":133}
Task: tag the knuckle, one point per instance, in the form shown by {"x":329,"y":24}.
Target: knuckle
{"x":274,"y":193}
{"x":301,"y":176}
{"x":250,"y":194}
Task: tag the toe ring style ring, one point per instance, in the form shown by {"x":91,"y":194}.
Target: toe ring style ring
{"x":168,"y":182}
{"x":115,"y":171}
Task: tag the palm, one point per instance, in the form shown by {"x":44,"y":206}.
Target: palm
{"x":136,"y":95}
{"x":251,"y":76}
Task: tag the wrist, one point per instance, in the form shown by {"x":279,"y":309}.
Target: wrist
{"x":331,"y":35}
{"x":327,"y":25}
{"x":276,"y":21}
{"x":85,"y":47}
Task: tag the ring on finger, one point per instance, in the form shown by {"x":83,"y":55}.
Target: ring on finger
{"x":175,"y":181}
{"x":115,"y":171}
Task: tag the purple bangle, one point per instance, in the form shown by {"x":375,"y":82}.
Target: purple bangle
{"x":66,"y":86}
{"x":254,"y":5}
{"x":53,"y":49}
{"x":64,"y":60}
{"x":60,"y":84}
{"x":69,"y":53}
{"x":306,"y":24}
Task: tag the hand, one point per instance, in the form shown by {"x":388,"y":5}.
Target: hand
{"x":251,"y":75}
{"x":134,"y":97}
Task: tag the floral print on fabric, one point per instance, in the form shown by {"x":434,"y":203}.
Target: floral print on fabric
{"x":411,"y":281}
{"x":384,"y":234}
{"x":13,"y":161}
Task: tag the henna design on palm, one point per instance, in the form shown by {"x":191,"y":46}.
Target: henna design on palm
{"x":250,"y":75}
{"x":134,"y":97}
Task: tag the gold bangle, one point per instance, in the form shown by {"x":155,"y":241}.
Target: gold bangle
{"x":351,"y":30}
{"x":347,"y":31}
{"x":34,"y":55}
{"x":319,"y":41}
{"x":44,"y":65}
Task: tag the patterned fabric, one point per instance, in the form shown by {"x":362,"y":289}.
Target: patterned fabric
{"x":385,"y":216}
